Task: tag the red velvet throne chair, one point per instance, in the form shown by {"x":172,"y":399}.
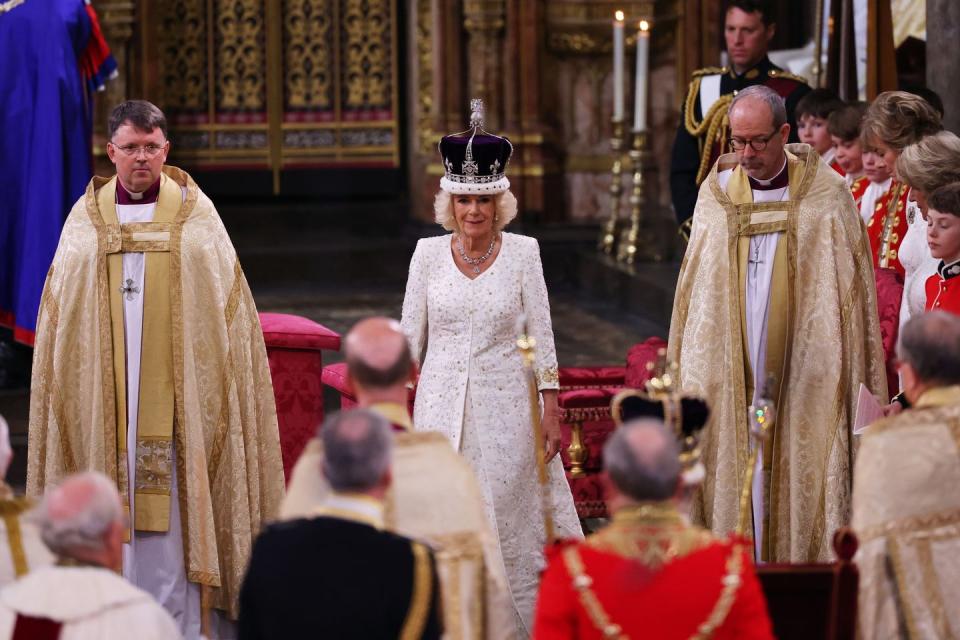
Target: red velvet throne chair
{"x":294,"y":351}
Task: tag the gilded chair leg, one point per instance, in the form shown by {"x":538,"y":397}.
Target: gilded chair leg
{"x":576,"y":451}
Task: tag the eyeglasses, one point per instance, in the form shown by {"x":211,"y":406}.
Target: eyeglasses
{"x":757,"y":144}
{"x":132,"y":150}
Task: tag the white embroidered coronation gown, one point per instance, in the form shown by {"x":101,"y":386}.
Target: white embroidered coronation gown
{"x":472,"y":389}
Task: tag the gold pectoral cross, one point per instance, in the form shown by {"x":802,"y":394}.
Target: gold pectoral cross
{"x":129,"y":289}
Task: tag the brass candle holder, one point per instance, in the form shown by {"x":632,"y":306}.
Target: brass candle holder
{"x":608,"y":235}
{"x":630,"y":244}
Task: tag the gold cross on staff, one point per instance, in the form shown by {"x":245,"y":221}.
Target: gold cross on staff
{"x":129,"y":289}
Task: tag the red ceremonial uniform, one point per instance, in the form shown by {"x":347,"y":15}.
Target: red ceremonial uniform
{"x":649,"y":574}
{"x":836,"y":167}
{"x":943,"y":288}
{"x":857,"y":188}
{"x":891,"y":209}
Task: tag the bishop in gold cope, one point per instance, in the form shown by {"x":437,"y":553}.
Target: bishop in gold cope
{"x":777,"y":280}
{"x":150,"y":368}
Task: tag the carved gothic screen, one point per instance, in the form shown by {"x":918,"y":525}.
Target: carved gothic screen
{"x":277,"y":83}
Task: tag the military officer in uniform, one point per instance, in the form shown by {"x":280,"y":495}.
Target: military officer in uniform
{"x":703,"y":132}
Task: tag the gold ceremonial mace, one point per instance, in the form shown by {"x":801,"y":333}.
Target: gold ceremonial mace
{"x":762,"y":417}
{"x":527,"y":346}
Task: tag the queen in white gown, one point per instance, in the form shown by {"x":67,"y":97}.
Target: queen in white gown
{"x":467,"y":294}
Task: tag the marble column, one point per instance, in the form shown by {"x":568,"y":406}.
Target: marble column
{"x":943,"y":72}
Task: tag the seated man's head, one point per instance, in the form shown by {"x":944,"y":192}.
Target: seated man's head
{"x":379,"y":361}
{"x":943,"y":223}
{"x":929,"y":353}
{"x":357,"y":452}
{"x":137,"y":143}
{"x":641,"y":461}
{"x":759,"y":131}
{"x":81,"y":519}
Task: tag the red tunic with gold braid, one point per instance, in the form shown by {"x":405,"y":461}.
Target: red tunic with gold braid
{"x":859,"y":187}
{"x":836,"y":167}
{"x":649,"y":574}
{"x":943,"y":288}
{"x":890,"y":211}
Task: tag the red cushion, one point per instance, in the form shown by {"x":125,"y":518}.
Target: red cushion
{"x":589,"y":377}
{"x":286,"y":331}
{"x":587,"y":398}
{"x":889,"y":297}
{"x":335,"y":375}
{"x":637,"y":358}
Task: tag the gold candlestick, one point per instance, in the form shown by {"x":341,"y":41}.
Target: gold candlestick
{"x":629,"y":246}
{"x":608,"y":235}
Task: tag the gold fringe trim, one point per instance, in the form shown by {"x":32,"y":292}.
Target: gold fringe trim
{"x":422,"y":595}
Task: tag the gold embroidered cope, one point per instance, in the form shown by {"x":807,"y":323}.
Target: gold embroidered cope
{"x":207,"y":346}
{"x":823,"y":340}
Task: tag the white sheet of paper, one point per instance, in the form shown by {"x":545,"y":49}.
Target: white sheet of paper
{"x":869,"y":410}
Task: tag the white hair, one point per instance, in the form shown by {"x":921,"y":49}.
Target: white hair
{"x":70,"y":522}
{"x":505,"y":204}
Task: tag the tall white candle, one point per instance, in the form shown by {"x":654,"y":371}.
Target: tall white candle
{"x":618,"y":64}
{"x":640,"y":92}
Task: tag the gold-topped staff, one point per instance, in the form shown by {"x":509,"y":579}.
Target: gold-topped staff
{"x":762,"y":417}
{"x":527,"y":346}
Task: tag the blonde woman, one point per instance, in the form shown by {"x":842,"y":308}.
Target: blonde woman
{"x":924,"y":166}
{"x":468,"y":293}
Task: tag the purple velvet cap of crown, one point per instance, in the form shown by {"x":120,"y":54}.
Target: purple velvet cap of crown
{"x":475,"y":161}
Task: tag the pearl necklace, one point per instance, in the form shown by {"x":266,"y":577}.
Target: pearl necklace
{"x":475,"y":262}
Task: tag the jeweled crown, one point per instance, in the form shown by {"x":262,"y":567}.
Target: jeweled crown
{"x":475,"y":161}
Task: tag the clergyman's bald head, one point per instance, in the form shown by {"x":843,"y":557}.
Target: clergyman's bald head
{"x":642,"y":459}
{"x":378,"y":353}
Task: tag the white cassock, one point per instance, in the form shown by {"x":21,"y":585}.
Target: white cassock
{"x":154,"y":561}
{"x":91,"y":603}
{"x":763,"y":249}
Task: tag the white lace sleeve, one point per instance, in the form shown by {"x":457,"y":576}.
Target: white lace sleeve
{"x":536,"y":306}
{"x":413,"y":318}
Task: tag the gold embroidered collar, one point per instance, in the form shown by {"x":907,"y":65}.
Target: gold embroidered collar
{"x":939,"y":397}
{"x":355,"y":507}
{"x":394,"y":412}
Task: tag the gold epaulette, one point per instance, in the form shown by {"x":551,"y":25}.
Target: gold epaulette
{"x":780,"y":73}
{"x":709,"y":71}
